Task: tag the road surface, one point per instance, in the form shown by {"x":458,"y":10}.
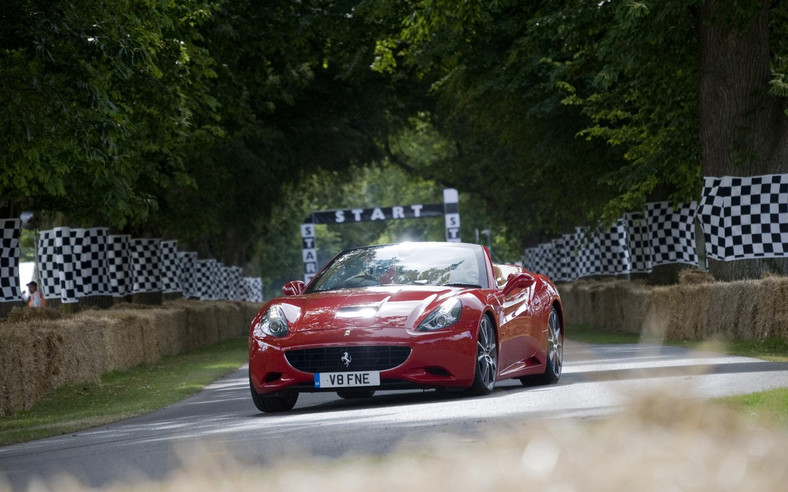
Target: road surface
{"x":597,"y":381}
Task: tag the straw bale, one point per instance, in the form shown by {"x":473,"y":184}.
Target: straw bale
{"x":695,"y":276}
{"x":42,"y":349}
{"x":693,"y":310}
{"x":617,"y":305}
{"x":41,"y":355}
{"x":22,"y":314}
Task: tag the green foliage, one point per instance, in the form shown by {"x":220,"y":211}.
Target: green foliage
{"x":102,"y":98}
{"x":222,"y":123}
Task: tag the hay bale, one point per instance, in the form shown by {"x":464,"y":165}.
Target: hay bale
{"x":695,"y":276}
{"x":699,"y":308}
{"x":22,"y":314}
{"x":42,"y":349}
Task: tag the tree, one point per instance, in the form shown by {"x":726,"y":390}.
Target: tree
{"x":646,"y":81}
{"x":104,"y":98}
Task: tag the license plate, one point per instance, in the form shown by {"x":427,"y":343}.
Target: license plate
{"x":346,"y":379}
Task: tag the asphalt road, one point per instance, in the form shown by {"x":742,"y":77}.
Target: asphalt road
{"x":597,"y":380}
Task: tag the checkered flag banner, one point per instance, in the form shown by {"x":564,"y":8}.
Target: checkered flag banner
{"x":119,"y":265}
{"x":745,"y":218}
{"x":568,"y":247}
{"x":220,"y":282}
{"x":531,"y":259}
{"x":48,"y":266}
{"x":206,"y":279}
{"x":232,"y":278}
{"x":561,"y":259}
{"x":672,"y":233}
{"x":250,"y":289}
{"x":613,"y":250}
{"x":638,"y":243}
{"x":188,"y":276}
{"x":547,"y":259}
{"x":145,"y":270}
{"x":65,"y":261}
{"x":90,"y":254}
{"x":9,"y":260}
{"x":588,"y":258}
{"x":170,"y":267}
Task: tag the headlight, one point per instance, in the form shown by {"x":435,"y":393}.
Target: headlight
{"x":273,"y":323}
{"x":446,"y":315}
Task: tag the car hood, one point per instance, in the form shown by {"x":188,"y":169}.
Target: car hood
{"x":382,"y":307}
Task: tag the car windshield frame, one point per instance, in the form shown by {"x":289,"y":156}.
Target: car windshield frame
{"x":417,"y":264}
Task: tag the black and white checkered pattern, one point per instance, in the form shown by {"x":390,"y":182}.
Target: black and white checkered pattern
{"x":566,"y":250}
{"x":48,"y":266}
{"x":119,"y":265}
{"x":582,"y":253}
{"x":250,"y":289}
{"x":745,"y":218}
{"x":9,"y":260}
{"x":220,"y":288}
{"x":145,"y":265}
{"x":90,"y":254}
{"x":638,"y":243}
{"x":589,"y":259}
{"x":531,"y":259}
{"x":188,"y":277}
{"x":614,"y":253}
{"x":550,"y":266}
{"x":66,"y":261}
{"x":170,"y":267}
{"x":672,"y":233}
{"x":712,"y":211}
{"x":232,"y":278}
{"x":206,"y":279}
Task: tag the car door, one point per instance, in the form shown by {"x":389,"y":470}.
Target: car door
{"x":518,"y":343}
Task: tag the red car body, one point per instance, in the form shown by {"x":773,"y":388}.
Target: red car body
{"x":383,"y":325}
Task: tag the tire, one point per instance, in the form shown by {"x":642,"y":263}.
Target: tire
{"x":486,"y":359}
{"x":350,"y":394}
{"x":555,"y":353}
{"x":281,"y":402}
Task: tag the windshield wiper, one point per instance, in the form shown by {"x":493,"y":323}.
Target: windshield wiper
{"x":461,"y":284}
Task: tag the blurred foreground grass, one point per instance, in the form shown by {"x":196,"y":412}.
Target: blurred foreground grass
{"x":662,"y":442}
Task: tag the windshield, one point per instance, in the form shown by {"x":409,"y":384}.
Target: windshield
{"x":406,"y":263}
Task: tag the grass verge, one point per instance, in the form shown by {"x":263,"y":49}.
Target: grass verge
{"x":767,"y":405}
{"x":124,"y":394}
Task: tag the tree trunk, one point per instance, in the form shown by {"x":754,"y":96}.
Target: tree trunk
{"x":743,"y":129}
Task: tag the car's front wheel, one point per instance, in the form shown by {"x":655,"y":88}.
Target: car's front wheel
{"x":486,"y":359}
{"x":273,"y":403}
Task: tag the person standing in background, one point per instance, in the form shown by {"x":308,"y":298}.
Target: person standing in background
{"x":34,"y":297}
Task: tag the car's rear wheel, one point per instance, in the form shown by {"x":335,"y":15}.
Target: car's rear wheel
{"x":281,"y":402}
{"x":355,"y":393}
{"x":555,"y":353}
{"x":486,"y":359}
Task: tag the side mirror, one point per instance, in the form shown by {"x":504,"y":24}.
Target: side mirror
{"x":294,"y":288}
{"x":518,"y":281}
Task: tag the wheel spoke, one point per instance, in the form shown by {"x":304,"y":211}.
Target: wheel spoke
{"x":555,"y":347}
{"x":486,"y":354}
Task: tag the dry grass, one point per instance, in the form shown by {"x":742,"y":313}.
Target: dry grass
{"x":696,"y":309}
{"x":41,"y":349}
{"x":660,"y":443}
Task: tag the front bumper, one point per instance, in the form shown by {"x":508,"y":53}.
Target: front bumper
{"x":445,"y":358}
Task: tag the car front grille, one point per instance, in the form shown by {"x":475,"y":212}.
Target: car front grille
{"x":330,"y":359}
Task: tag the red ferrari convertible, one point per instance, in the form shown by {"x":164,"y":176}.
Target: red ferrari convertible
{"x":409,"y":315}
